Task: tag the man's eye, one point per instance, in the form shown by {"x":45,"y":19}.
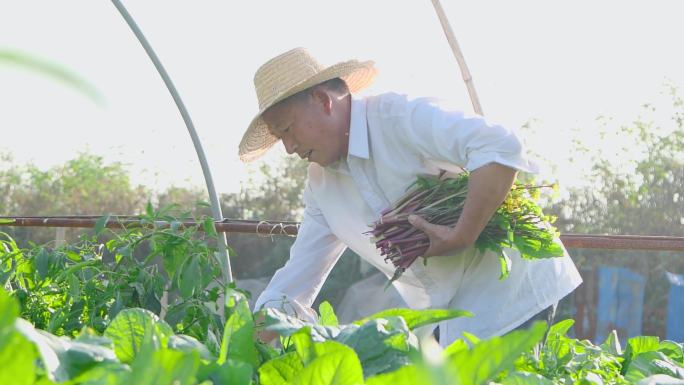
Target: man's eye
{"x":286,"y":129}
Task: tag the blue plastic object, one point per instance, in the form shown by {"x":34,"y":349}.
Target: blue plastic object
{"x":675,"y":308}
{"x":620,"y":302}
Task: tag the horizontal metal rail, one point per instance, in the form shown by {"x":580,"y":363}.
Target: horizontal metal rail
{"x":128,"y":221}
{"x":268,"y":228}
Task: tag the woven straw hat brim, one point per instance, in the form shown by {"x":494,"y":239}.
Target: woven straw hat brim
{"x":257,"y":139}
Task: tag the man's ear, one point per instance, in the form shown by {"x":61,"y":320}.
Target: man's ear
{"x":322,"y":96}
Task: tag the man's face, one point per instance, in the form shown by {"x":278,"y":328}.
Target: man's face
{"x":309,"y":126}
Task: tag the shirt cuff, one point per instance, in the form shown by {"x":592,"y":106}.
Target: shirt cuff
{"x":286,"y":304}
{"x":518,"y":163}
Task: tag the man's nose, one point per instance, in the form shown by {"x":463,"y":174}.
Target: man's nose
{"x":290,"y":145}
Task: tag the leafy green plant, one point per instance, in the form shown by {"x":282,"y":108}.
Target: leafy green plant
{"x":140,"y":348}
{"x":86,"y":284}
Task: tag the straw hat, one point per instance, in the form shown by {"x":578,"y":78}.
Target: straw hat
{"x":284,"y":76}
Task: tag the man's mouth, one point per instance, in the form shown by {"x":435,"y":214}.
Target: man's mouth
{"x":308,"y":154}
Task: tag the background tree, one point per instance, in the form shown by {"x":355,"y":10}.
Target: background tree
{"x":635,"y":190}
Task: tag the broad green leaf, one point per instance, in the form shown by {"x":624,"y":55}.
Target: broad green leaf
{"x":407,"y":375}
{"x":328,"y":317}
{"x":612,"y":344}
{"x":52,"y":366}
{"x":336,"y":365}
{"x":524,"y":378}
{"x":187,"y":343}
{"x":418,"y":318}
{"x":561,"y":328}
{"x":230,"y":372}
{"x":190,"y":278}
{"x":650,"y":363}
{"x":455,"y":347}
{"x":64,"y":358}
{"x":164,"y":367}
{"x":674,"y":350}
{"x":304,"y":345}
{"x":382,"y":345}
{"x":238,"y":334}
{"x":636,"y":346}
{"x":104,"y":374}
{"x":9,"y":310}
{"x":42,"y":263}
{"x":74,"y":287}
{"x":128,"y":329}
{"x":17,"y":356}
{"x":280,"y":370}
{"x":285,"y":325}
{"x":490,"y":357}
{"x":79,"y":357}
{"x":642,"y":344}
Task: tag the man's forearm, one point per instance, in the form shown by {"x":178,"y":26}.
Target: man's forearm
{"x":487,"y":189}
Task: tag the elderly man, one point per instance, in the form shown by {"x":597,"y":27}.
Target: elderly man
{"x":364,"y":153}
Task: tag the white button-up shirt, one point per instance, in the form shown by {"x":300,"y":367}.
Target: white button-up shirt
{"x":393,"y":139}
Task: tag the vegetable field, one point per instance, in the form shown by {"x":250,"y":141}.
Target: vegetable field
{"x":141,"y":306}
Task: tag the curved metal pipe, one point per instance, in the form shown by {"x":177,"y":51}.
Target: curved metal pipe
{"x":224,"y":259}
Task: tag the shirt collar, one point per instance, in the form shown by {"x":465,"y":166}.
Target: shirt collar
{"x":358,"y":129}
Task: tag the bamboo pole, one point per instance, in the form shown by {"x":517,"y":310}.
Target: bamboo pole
{"x":456,"y":50}
{"x":223,"y":257}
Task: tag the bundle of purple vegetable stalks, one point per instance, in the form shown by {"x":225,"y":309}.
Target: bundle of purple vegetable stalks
{"x":517,"y":224}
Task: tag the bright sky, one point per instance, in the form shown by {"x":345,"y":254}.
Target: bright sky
{"x":561,"y":64}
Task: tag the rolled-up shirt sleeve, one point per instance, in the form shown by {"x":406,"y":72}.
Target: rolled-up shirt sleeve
{"x":468,"y":141}
{"x":295,"y":286}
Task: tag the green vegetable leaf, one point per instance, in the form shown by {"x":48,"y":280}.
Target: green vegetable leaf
{"x":612,"y":344}
{"x":636,"y":346}
{"x":280,"y":370}
{"x":238,"y":334}
{"x":285,"y":325}
{"x":17,"y":357}
{"x":187,"y":343}
{"x":382,"y":345}
{"x":490,"y":357}
{"x":417,"y":318}
{"x":107,"y":373}
{"x":164,"y":367}
{"x":674,"y":350}
{"x":328,"y":317}
{"x":231,"y":372}
{"x":42,"y":263}
{"x":650,"y":363}
{"x":407,"y":375}
{"x":129,"y":328}
{"x":9,"y":310}
{"x":455,"y":347}
{"x":336,"y":365}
